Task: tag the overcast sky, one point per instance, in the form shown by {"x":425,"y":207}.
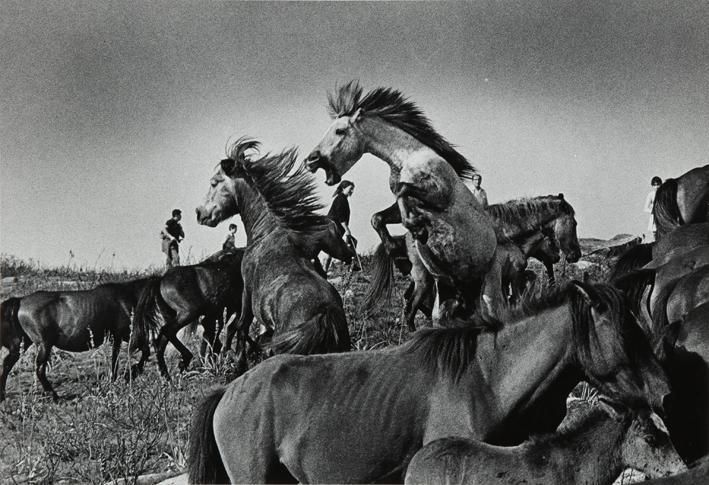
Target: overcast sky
{"x":112,"y":114}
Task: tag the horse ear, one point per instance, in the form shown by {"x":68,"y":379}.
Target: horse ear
{"x":356,"y":116}
{"x":561,"y":196}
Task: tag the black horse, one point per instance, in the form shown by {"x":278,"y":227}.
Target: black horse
{"x":70,"y":320}
{"x":185,"y":293}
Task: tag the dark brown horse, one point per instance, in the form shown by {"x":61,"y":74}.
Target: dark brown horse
{"x":360,"y":417}
{"x":593,"y":449}
{"x":72,"y":320}
{"x":277,"y":202}
{"x":682,"y":200}
{"x":182,"y":295}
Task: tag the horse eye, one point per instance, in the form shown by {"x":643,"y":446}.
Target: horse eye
{"x":213,"y":182}
{"x":340,"y":131}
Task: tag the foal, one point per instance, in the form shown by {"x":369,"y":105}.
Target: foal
{"x":594,"y":449}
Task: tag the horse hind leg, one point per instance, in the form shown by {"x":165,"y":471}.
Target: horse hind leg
{"x":43,"y":353}
{"x":8,"y":363}
{"x":116,"y":350}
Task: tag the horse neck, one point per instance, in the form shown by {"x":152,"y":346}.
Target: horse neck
{"x":516,"y":370}
{"x":391,"y":144}
{"x":532,"y":221}
{"x":255,"y":215}
{"x":593,"y":453}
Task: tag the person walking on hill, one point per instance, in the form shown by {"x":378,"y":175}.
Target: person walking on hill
{"x":478,"y":191}
{"x":650,"y":202}
{"x":230,"y":242}
{"x":172,"y":234}
{"x":340,"y":213}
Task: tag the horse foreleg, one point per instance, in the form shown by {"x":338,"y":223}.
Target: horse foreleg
{"x":209,"y":324}
{"x":43,"y":353}
{"x":184,"y":351}
{"x":412,"y":218}
{"x":115,"y":350}
{"x":379,"y":221}
{"x":422,"y":288}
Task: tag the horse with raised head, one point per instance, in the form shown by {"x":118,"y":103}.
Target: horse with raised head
{"x":75,"y":321}
{"x":594,"y":448}
{"x":277,"y":203}
{"x":182,"y":295}
{"x":453,"y":234}
{"x":359,"y":417}
{"x":682,"y":201}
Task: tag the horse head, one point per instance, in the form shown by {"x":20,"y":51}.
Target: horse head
{"x":564,"y":229}
{"x":612,"y":350}
{"x":647,"y":446}
{"x":340,"y":148}
{"x":220,"y":202}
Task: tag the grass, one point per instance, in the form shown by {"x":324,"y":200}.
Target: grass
{"x":103,"y":431}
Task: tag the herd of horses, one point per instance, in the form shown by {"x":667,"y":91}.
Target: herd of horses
{"x":480,"y":397}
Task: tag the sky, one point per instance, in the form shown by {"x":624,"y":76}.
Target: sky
{"x":114,"y":113}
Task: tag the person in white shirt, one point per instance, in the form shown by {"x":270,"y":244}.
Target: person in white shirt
{"x":478,"y":191}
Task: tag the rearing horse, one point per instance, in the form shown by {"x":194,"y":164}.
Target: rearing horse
{"x":282,"y":289}
{"x":455,"y":237}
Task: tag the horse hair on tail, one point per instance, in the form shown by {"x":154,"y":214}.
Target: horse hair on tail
{"x":665,"y":209}
{"x":8,"y":314}
{"x":204,"y":463}
{"x":325,"y":332}
{"x":148,"y":313}
{"x":381,"y":286}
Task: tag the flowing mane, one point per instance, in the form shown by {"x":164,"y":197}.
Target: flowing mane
{"x":450,"y":351}
{"x":393,"y":107}
{"x":286,"y":186}
{"x":524,"y":212}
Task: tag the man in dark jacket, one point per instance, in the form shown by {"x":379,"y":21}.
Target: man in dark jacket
{"x":172,"y":234}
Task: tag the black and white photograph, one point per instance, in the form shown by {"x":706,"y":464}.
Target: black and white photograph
{"x":335,"y":242}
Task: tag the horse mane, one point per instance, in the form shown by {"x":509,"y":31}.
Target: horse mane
{"x":521,"y":211}
{"x":394,"y":108}
{"x":287,"y":187}
{"x":629,"y":334}
{"x":579,"y":424}
{"x":665,"y":209}
{"x":451,"y":350}
{"x":635,"y":257}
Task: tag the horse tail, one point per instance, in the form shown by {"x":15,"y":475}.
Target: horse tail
{"x":323,"y":333}
{"x":9,"y":323}
{"x":148,"y":315}
{"x":665,"y":210}
{"x":204,"y":462}
{"x":633,"y":258}
{"x":382,"y":279}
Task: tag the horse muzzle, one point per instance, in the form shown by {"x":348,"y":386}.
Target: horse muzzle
{"x":205,"y":217}
{"x":316,"y":160}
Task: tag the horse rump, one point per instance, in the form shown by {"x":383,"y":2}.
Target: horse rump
{"x":10,"y":328}
{"x":323,"y":333}
{"x":204,"y":463}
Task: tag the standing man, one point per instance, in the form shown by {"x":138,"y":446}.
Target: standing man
{"x":478,"y":191}
{"x":172,"y":234}
{"x":655,"y":183}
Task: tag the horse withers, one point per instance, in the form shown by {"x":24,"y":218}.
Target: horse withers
{"x":595,"y":448}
